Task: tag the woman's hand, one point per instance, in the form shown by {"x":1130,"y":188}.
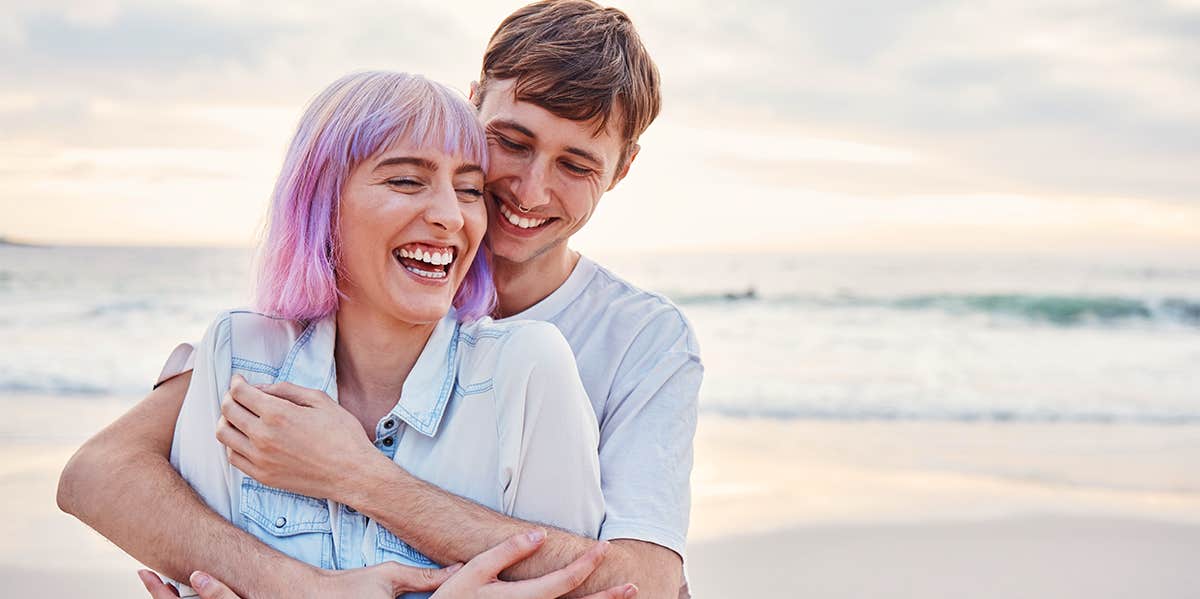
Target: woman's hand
{"x":479,"y":579}
{"x":293,"y":438}
{"x":382,"y":581}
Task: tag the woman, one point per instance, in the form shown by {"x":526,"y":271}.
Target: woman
{"x":372,"y":289}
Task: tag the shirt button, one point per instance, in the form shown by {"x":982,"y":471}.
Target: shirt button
{"x":280,"y":522}
{"x":389,"y":423}
{"x":387,"y":442}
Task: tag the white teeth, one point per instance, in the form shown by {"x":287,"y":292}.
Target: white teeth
{"x":435,"y":258}
{"x":518,"y":221}
{"x":435,"y":274}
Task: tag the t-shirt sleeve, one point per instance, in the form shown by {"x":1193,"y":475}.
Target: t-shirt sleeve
{"x":181,"y":360}
{"x":647,"y":432}
{"x":195,"y":451}
{"x":548,"y":433}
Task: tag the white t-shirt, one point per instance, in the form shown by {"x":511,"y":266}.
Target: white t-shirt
{"x":640,"y":364}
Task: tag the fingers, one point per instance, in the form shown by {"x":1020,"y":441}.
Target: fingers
{"x":237,"y":414}
{"x":232,"y":438}
{"x":301,"y":396}
{"x":406,"y":579}
{"x":156,"y":587}
{"x":488,"y":565}
{"x":254,"y":400}
{"x":209,"y":587}
{"x":565,"y":579}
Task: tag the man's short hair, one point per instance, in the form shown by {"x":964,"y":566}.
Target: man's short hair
{"x":580,"y":61}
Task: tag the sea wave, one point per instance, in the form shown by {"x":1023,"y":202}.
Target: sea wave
{"x":998,"y":415}
{"x":55,"y":387}
{"x":1062,"y":310}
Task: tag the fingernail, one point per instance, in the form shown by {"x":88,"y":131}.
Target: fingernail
{"x":200,"y":580}
{"x":261,"y":386}
{"x":537,"y":536}
{"x":144,"y":575}
{"x":454,"y":568}
{"x":631,"y":591}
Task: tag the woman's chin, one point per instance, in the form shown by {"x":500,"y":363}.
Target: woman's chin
{"x":417,"y":311}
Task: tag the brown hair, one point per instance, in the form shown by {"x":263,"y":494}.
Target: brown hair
{"x":580,"y":61}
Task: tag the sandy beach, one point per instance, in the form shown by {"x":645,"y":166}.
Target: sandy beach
{"x":805,"y":509}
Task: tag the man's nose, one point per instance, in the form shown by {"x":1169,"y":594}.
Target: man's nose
{"x":533,"y":190}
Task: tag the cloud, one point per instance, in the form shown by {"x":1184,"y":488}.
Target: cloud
{"x":1042,"y":94}
{"x":804,"y":102}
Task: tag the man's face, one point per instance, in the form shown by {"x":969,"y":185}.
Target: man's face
{"x":554,"y":168}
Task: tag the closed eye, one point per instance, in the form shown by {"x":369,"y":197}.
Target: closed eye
{"x":405,"y":184}
{"x":471,"y":192}
{"x":576,"y":169}
{"x":508,"y":144}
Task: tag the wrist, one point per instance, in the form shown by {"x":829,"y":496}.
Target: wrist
{"x":293,"y":578}
{"x":364,"y":479}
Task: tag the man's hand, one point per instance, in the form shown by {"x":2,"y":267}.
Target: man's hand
{"x":477,"y":580}
{"x":293,"y":438}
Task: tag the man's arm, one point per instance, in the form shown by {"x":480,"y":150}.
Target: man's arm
{"x":300,"y":456}
{"x":448,"y":528}
{"x":121,"y":483}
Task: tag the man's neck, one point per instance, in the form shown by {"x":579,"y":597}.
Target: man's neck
{"x":374,"y":355}
{"x":520,"y":285}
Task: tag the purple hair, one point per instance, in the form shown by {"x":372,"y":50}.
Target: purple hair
{"x":355,"y":118}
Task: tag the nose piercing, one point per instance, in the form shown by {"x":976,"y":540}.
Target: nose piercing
{"x":523,"y":209}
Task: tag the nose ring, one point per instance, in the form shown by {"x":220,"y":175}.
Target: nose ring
{"x":523,"y":209}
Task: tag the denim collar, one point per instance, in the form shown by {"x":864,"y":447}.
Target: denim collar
{"x":426,"y":391}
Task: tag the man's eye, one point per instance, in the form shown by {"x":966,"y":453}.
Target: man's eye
{"x":509,"y":144}
{"x":576,"y":169}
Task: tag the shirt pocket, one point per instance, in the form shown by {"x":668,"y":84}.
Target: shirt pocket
{"x":294,"y":524}
{"x":389,"y":547}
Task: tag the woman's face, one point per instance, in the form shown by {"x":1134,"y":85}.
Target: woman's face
{"x":411,"y":220}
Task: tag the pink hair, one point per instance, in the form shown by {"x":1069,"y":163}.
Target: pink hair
{"x":353,"y":119}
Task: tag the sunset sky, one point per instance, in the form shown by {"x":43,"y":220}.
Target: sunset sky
{"x":922,"y":125}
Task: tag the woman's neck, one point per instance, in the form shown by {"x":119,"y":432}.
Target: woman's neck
{"x":374,"y":355}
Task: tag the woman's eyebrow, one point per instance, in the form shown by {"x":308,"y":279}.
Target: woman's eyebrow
{"x":424,"y":163}
{"x":470,"y":167}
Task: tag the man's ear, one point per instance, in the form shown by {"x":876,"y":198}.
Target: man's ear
{"x":633,"y":152}
{"x":474,"y":91}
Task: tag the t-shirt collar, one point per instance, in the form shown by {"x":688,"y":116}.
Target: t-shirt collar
{"x":562,"y":297}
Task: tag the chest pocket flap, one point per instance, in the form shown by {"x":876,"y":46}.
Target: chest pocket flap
{"x":283,"y":513}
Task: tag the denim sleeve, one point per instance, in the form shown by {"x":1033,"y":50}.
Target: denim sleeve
{"x":646,"y":435}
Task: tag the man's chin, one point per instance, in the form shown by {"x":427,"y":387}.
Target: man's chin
{"x":516,"y":251}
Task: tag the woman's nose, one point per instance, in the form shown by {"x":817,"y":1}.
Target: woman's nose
{"x":444,"y":210}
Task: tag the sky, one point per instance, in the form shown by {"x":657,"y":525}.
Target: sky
{"x":1007,"y":125}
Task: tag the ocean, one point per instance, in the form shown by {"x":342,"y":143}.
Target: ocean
{"x":999,"y":337}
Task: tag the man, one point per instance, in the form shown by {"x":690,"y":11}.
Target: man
{"x":565,"y":91}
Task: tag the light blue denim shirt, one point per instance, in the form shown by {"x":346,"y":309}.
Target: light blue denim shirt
{"x":494,"y":412}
